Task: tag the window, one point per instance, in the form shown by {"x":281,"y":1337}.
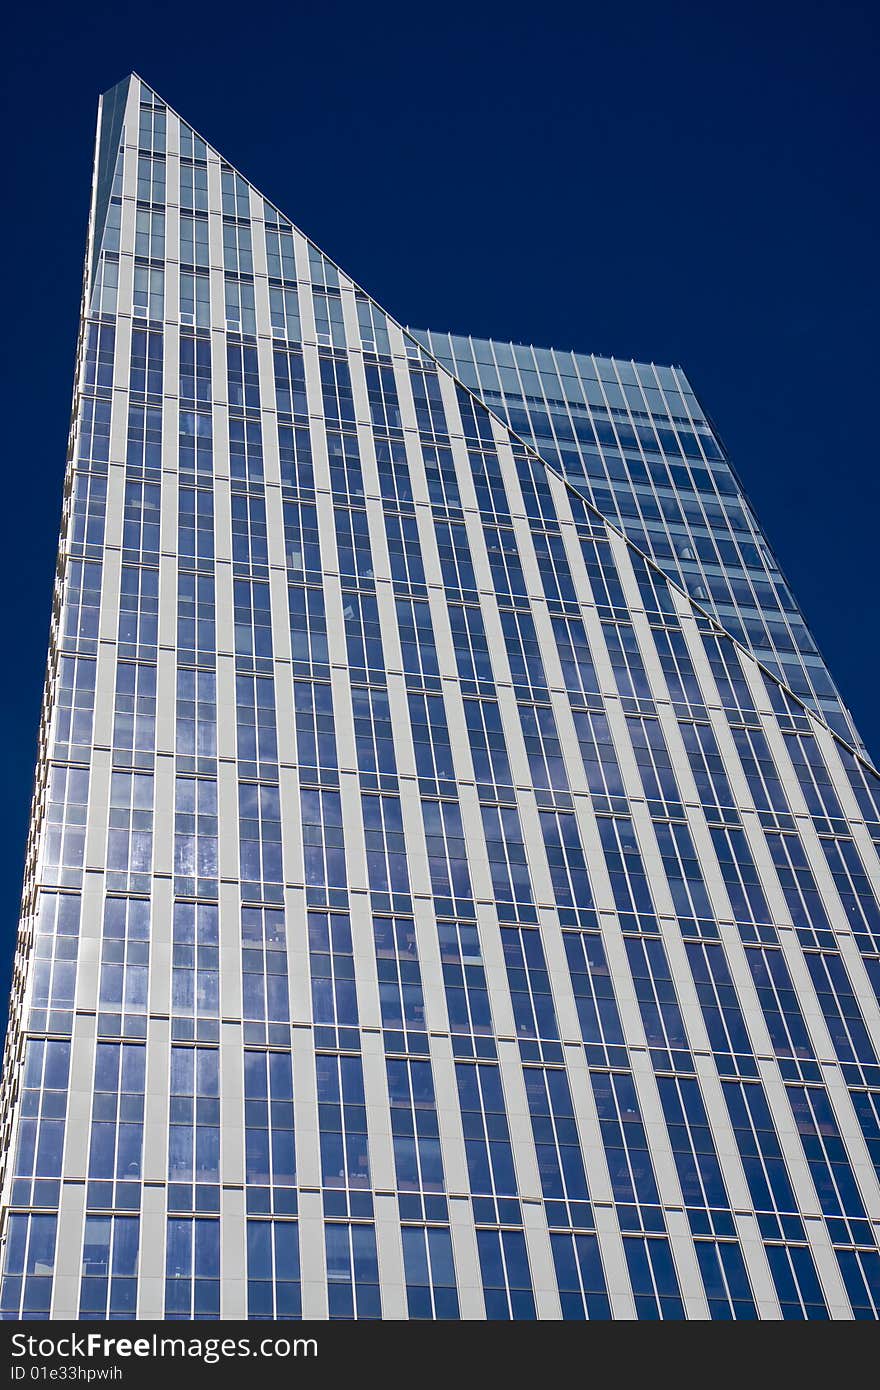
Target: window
{"x":507,"y":1285}
{"x":273,"y":1270}
{"x":192,"y":1269}
{"x":352,"y":1271}
{"x":109,"y":1267}
{"x":29,"y":1265}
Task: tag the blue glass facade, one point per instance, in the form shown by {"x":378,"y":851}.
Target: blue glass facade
{"x":433,"y":909}
{"x":633,"y":438}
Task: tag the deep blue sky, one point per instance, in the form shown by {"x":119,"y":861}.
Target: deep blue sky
{"x":692,"y":183}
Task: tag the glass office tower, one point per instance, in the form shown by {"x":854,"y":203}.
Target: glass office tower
{"x":435,"y":905}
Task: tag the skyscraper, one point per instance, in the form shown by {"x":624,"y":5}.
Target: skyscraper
{"x":452,"y":889}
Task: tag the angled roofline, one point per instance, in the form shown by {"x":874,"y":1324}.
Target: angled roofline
{"x":716,"y":433}
{"x":530,"y":449}
{"x":552,"y":347}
